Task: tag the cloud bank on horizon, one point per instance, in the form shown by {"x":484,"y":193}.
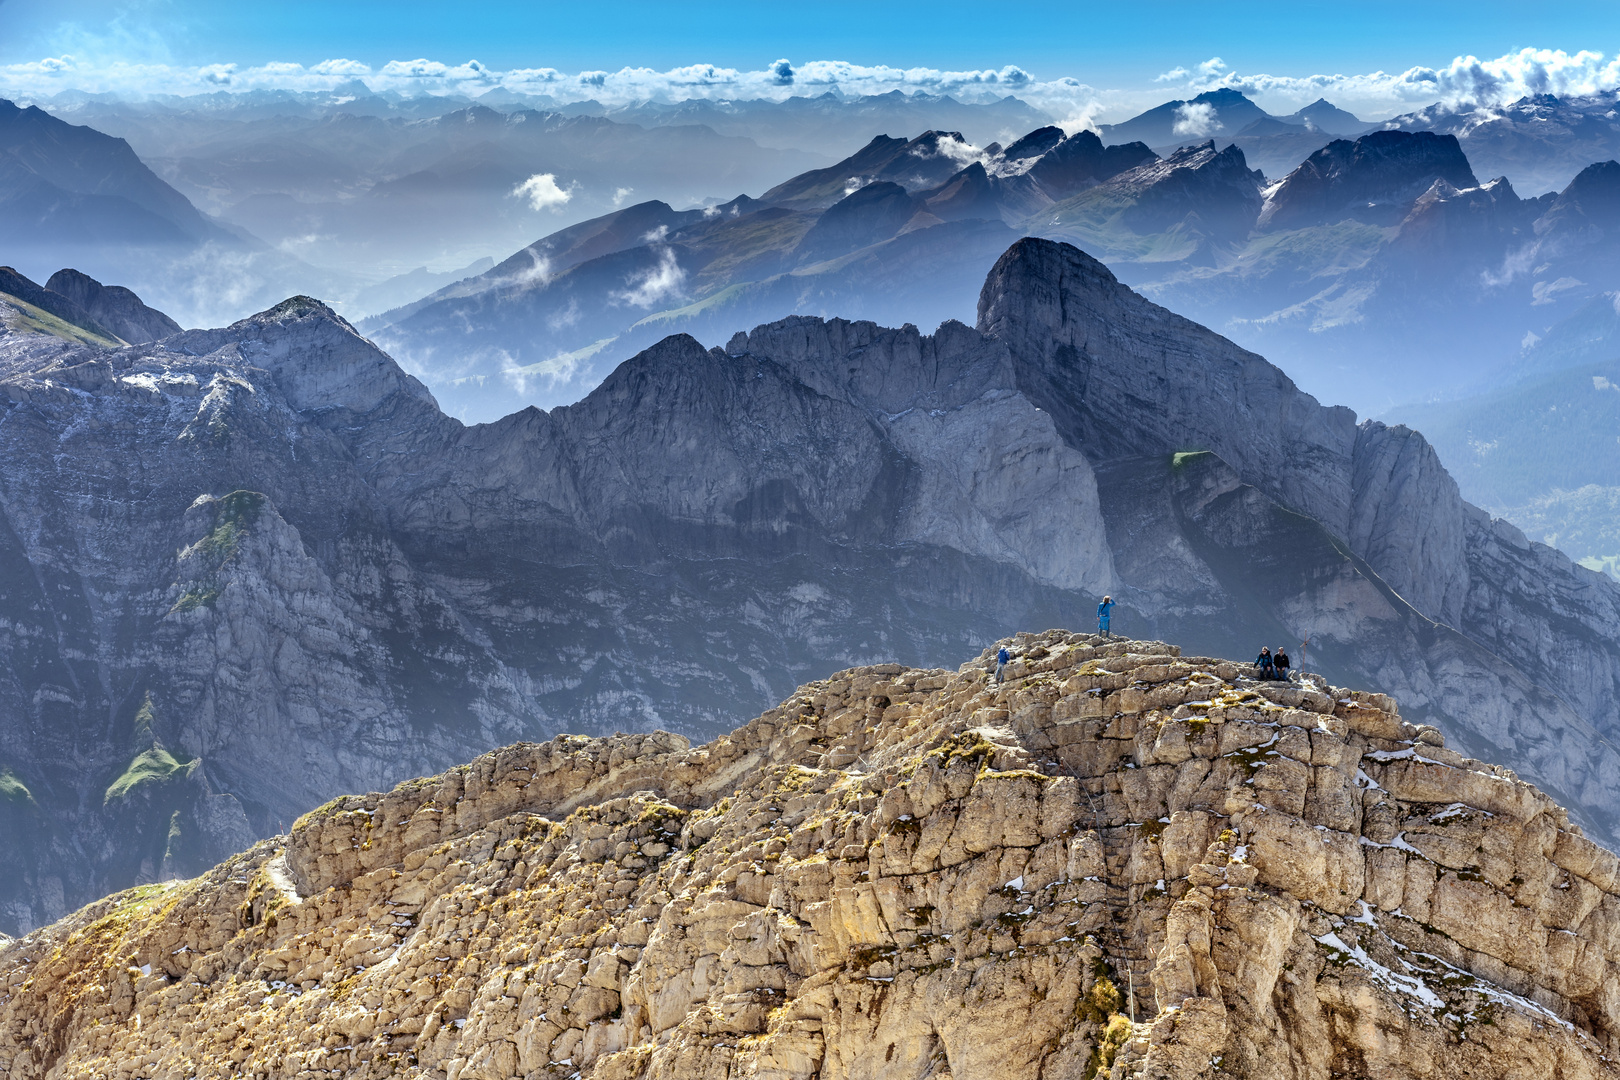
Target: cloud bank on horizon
{"x":1465,"y":80}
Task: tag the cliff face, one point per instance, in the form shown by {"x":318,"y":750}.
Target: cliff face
{"x":268,"y":542}
{"x":895,"y":873}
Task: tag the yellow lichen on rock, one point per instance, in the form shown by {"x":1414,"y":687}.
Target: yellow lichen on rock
{"x":896,"y":874}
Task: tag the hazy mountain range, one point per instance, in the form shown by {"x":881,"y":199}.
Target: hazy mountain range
{"x":70,"y":194}
{"x":357,"y":187}
{"x":1273,"y":144}
{"x":249,"y":568}
{"x":347,"y":191}
{"x":352,"y":181}
{"x":1380,"y":270}
{"x":1540,"y":142}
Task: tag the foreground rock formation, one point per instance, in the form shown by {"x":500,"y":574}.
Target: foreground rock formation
{"x":897,"y":873}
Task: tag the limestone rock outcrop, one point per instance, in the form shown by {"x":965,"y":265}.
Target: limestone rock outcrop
{"x":1120,"y":862}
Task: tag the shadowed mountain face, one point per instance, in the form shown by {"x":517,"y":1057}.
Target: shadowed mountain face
{"x":1195,"y":197}
{"x":61,"y":184}
{"x":256,"y":566}
{"x":49,"y":311}
{"x":1375,"y":177}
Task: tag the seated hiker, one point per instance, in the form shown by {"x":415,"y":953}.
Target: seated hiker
{"x":1279,"y":660}
{"x":1001,"y":664}
{"x":1264,"y":666}
{"x":1104,"y":610}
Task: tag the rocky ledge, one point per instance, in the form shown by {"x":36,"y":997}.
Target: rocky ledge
{"x":1122,"y":862}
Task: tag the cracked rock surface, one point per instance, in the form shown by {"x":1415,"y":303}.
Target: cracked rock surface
{"x":1121,"y":862}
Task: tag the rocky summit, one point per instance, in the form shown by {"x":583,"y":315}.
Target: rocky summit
{"x":1119,"y":862}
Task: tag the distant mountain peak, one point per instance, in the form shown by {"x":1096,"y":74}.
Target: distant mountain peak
{"x":1223,"y":95}
{"x":115,"y":307}
{"x":353,"y":87}
{"x":1382,"y":167}
{"x":1034,"y":144}
{"x":1323,"y":115}
{"x":318,"y":359}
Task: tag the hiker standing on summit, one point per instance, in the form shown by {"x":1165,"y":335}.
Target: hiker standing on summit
{"x":1104,"y":610}
{"x":1001,"y":664}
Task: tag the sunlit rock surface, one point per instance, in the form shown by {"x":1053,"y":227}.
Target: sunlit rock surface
{"x":895,"y":873}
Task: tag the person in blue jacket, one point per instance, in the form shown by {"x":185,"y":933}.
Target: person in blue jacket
{"x":1001,"y":663}
{"x":1104,"y":610}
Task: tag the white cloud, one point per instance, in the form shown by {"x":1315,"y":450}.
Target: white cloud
{"x":551,"y":372}
{"x":542,"y":192}
{"x":1196,"y":118}
{"x":346,"y":69}
{"x":1546,"y":292}
{"x":1466,"y":80}
{"x":567,"y":317}
{"x":621,"y":194}
{"x":127,"y":60}
{"x":539,"y":270}
{"x":959,"y":151}
{"x":1081,"y":118}
{"x":654,"y":284}
{"x":112,"y":71}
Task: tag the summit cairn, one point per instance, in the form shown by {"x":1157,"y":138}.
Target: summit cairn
{"x":895,"y":873}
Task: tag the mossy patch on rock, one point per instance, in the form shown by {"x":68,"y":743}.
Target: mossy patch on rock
{"x":149,"y":768}
{"x":234,"y":517}
{"x":13,"y":790}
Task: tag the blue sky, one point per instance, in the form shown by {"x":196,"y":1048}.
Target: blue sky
{"x":1119,"y":49}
